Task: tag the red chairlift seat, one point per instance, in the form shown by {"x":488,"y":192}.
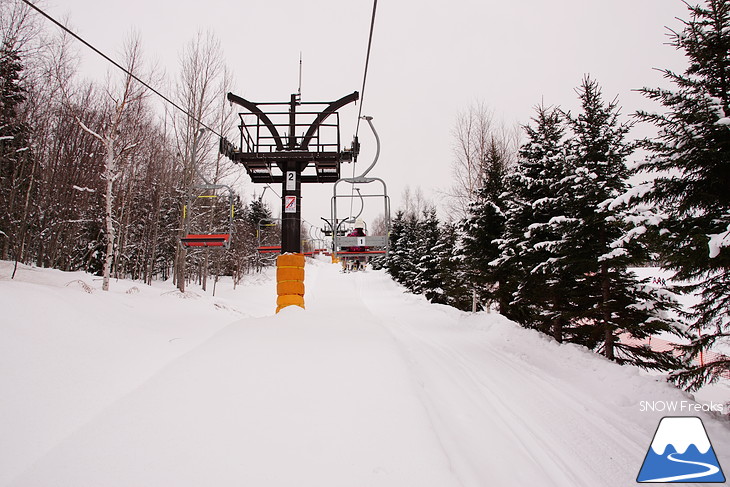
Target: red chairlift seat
{"x":199,"y":239}
{"x":203,"y":240}
{"x":269,"y":249}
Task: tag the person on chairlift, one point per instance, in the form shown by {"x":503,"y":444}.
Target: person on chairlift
{"x":358,"y":231}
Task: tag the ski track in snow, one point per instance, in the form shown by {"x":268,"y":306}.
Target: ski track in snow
{"x":504,"y":413}
{"x":367,"y":387}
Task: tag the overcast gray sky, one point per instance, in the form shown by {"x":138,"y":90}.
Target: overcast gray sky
{"x":429,"y":61}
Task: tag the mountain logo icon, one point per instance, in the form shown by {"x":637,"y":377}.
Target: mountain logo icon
{"x":681,"y":452}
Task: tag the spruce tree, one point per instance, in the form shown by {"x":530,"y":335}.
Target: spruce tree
{"x":483,"y":228}
{"x":690,"y":156}
{"x":257,"y":212}
{"x":13,"y":132}
{"x":457,"y":291}
{"x":409,"y":253}
{"x":529,"y":250}
{"x":428,"y":280}
{"x":14,"y":148}
{"x":395,"y":264}
{"x":609,"y":298}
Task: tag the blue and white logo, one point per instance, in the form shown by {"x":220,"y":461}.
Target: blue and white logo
{"x":681,"y":452}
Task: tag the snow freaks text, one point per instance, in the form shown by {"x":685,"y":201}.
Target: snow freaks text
{"x":682,"y":407}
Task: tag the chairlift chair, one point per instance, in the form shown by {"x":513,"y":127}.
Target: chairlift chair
{"x":361,"y":247}
{"x":265,"y":247}
{"x":369,"y":245}
{"x":207,"y":193}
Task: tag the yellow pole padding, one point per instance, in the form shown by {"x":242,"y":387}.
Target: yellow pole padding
{"x":289,"y":287}
{"x":289,"y":273}
{"x":289,"y":281}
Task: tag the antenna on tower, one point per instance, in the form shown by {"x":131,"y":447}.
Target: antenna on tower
{"x":299,"y":93}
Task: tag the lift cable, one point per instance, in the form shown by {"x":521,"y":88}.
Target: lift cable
{"x":273,"y":190}
{"x":352,"y":185}
{"x":367,"y":62}
{"x":97,"y":51}
{"x":362,"y":95}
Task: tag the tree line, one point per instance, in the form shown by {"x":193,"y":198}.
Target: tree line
{"x":93,"y":178}
{"x":549,"y":231}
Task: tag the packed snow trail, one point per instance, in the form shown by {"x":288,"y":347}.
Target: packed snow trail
{"x":306,"y":398}
{"x":368,"y":386}
{"x":499,"y":420}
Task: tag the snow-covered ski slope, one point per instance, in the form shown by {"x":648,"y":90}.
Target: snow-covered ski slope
{"x":369,"y":386}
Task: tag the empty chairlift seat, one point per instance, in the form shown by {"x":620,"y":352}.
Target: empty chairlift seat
{"x":203,"y":240}
{"x":208,"y":217}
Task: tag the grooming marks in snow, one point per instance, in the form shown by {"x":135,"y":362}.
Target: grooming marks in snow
{"x":368,"y":386}
{"x":272,"y":401}
{"x":498,"y":416}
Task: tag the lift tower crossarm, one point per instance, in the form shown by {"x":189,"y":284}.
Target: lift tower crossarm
{"x":332,"y":108}
{"x":253,"y":108}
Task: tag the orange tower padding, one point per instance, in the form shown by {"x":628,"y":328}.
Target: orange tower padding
{"x":289,"y":281}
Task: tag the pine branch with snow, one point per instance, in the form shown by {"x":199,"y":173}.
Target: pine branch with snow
{"x":689,"y":158}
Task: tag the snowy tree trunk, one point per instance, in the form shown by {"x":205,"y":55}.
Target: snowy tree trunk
{"x":605,"y":297}
{"x":24,"y":220}
{"x":150,"y":268}
{"x":558,"y":329}
{"x":109,"y":176}
{"x":206,"y":263}
{"x":180,"y":268}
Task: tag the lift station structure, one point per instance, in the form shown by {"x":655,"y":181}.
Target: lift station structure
{"x":291,"y":143}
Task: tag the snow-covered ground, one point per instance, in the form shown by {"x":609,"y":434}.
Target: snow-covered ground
{"x":369,"y":386}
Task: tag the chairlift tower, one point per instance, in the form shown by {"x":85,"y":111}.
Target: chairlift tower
{"x":290,"y":143}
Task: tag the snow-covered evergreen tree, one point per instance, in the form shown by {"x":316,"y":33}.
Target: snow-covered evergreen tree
{"x":15,"y":180}
{"x":529,"y":248}
{"x":568,"y":241}
{"x":484,"y":226}
{"x":457,"y":291}
{"x":396,"y":263}
{"x":428,"y":280}
{"x":608,"y":296}
{"x":408,"y":251}
{"x":691,"y":160}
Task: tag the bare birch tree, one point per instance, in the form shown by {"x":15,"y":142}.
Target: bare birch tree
{"x":198,"y":93}
{"x":220,"y":170}
{"x":19,"y":28}
{"x":476,"y":137}
{"x":414,"y":202}
{"x":124,"y":109}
